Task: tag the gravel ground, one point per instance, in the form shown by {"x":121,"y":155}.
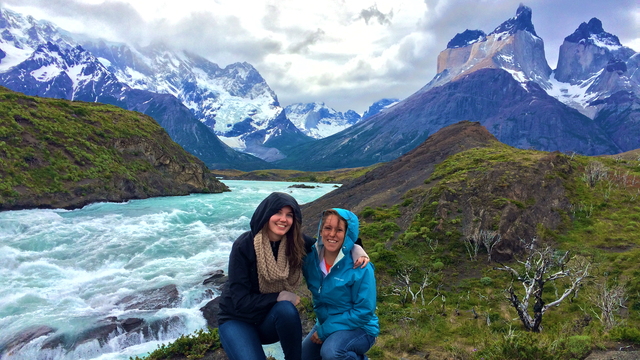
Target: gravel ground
{"x":614,"y":355}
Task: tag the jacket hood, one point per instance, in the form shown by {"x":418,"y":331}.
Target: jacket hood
{"x":270,"y":206}
{"x":352,"y":230}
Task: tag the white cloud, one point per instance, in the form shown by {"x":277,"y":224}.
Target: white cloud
{"x":347,"y":53}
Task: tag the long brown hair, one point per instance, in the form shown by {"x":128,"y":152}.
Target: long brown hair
{"x":295,"y":250}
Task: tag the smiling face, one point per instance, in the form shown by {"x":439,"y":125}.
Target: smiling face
{"x":333,"y":232}
{"x":280,"y":223}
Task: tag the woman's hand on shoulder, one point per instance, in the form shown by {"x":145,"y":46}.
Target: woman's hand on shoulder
{"x":362,"y":261}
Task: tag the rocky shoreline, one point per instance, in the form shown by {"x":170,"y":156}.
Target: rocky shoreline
{"x":132,"y":328}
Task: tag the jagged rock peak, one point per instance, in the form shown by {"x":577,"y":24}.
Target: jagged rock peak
{"x":522,"y":21}
{"x":593,"y":33}
{"x":466,"y":38}
{"x":378,"y":106}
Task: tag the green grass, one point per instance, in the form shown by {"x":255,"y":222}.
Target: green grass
{"x":48,"y":145}
{"x":466,"y":314}
{"x":192,"y":346}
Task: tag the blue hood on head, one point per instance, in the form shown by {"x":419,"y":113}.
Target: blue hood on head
{"x":353,"y":230}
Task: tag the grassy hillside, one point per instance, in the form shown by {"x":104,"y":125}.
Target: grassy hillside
{"x":587,"y":206}
{"x":59,"y":153}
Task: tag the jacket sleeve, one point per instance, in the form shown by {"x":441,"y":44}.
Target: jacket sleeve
{"x":308,"y":243}
{"x":363,"y":296}
{"x":357,"y":251}
{"x":241,"y":270}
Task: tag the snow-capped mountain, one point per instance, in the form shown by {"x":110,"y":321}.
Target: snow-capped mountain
{"x":596,"y":74}
{"x":235,"y":101}
{"x":21,"y":36}
{"x":592,"y":66}
{"x":513,"y":46}
{"x":318,"y":120}
{"x":63,"y":72}
{"x":44,"y":61}
{"x":503,"y":81}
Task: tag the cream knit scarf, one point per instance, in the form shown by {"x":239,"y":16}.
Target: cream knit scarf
{"x":274,"y":276}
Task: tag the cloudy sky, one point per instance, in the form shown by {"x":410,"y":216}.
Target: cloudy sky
{"x":346,"y":53}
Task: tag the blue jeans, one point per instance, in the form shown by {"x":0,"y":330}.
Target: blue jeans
{"x":243,"y":341}
{"x":344,"y":344}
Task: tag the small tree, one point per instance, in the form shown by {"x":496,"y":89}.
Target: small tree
{"x":540,"y":267}
{"x":594,"y":172}
{"x":609,"y":299}
{"x":489,"y":239}
{"x":405,"y":285}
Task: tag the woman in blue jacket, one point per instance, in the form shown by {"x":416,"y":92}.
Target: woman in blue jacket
{"x":344,"y":297}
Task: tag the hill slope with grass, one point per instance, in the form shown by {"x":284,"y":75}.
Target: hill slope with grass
{"x":57,"y":153}
{"x":424,"y":220}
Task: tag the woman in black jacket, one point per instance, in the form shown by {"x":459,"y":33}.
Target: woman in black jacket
{"x":258,"y":303}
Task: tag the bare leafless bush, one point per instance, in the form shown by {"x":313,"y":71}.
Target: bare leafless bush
{"x":594,"y":172}
{"x":609,"y":299}
{"x":472,"y":245}
{"x":405,"y":287}
{"x":542,"y":267}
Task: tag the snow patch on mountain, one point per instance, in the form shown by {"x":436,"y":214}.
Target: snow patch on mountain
{"x":577,"y":95}
{"x":235,"y":142}
{"x":14,"y":56}
{"x":605,"y":42}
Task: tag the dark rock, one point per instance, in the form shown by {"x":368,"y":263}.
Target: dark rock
{"x":101,"y":333}
{"x":465,"y":38}
{"x":585,"y":31}
{"x":302,"y":186}
{"x":522,"y":22}
{"x":154,"y":299}
{"x":19,"y":340}
{"x":210,"y":312}
{"x":131,"y":324}
{"x":55,"y":341}
{"x":215,"y":278}
{"x":161,"y":325}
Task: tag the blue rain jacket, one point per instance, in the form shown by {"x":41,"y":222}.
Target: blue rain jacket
{"x":346,"y":298}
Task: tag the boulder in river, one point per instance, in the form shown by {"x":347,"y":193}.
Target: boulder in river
{"x":153,"y":299}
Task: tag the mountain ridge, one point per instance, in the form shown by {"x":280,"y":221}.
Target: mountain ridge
{"x":59,"y":68}
{"x":531,"y":110}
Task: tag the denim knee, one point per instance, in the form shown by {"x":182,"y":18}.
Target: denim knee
{"x":285,"y":310}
